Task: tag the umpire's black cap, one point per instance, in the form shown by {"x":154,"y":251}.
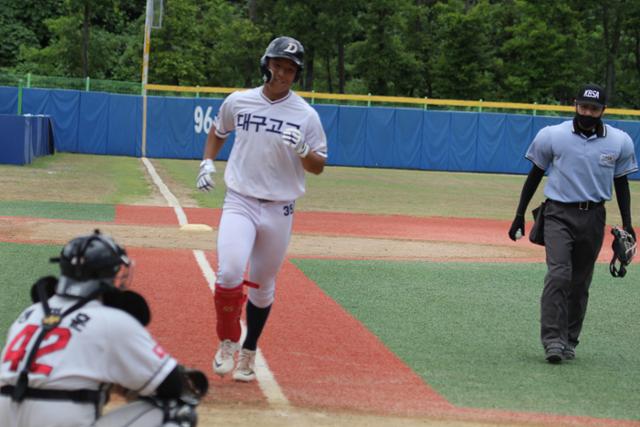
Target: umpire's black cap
{"x":592,"y":94}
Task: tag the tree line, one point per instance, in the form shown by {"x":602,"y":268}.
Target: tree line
{"x":510,"y":50}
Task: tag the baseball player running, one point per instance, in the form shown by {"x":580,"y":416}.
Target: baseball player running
{"x":278,"y":137}
{"x":585,"y":159}
{"x":83,"y":334}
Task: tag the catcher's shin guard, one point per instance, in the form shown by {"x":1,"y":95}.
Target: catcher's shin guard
{"x":229,"y":304}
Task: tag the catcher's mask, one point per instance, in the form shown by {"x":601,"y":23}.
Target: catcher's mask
{"x":91,"y":263}
{"x":624,"y":249}
{"x":282,"y":47}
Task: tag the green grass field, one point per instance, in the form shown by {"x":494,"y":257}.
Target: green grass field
{"x":23,"y":265}
{"x":471,"y":331}
{"x":108,"y":180}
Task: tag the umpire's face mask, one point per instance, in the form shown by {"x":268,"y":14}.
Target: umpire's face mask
{"x":592,"y":117}
{"x":587,"y":122}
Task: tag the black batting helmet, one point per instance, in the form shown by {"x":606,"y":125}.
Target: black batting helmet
{"x":90,"y":265}
{"x":283,"y":47}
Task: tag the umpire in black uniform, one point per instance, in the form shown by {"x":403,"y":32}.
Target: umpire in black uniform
{"x":584,"y":159}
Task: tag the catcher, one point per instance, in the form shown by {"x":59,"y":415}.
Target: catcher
{"x":83,"y":334}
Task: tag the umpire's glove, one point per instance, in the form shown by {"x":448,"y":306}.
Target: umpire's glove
{"x":204,"y":182}
{"x":517,"y":228}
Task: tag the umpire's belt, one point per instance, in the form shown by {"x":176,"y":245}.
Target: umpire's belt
{"x":79,"y":396}
{"x":583,"y":206}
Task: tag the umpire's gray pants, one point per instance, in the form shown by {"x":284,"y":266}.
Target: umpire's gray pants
{"x":573,"y":239}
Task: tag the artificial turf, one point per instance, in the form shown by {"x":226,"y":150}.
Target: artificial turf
{"x":58,"y":210}
{"x":471,"y":331}
{"x":22,"y":266}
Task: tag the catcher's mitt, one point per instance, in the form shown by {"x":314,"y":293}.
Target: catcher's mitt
{"x":624,"y":249}
{"x":195,"y":385}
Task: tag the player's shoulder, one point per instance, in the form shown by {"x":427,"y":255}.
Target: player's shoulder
{"x":242,"y":94}
{"x":302,"y":104}
{"x":113,"y":318}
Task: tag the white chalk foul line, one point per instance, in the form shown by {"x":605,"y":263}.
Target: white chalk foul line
{"x":168,"y":195}
{"x":266,"y":380}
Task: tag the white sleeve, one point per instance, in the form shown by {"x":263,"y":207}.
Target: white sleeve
{"x":315,"y":136}
{"x":136,"y":361}
{"x":224,"y":121}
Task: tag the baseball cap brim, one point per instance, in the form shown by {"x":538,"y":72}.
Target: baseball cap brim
{"x":590,"y":102}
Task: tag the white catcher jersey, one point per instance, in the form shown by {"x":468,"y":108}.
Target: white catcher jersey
{"x":260,"y":165}
{"x":93,"y":345}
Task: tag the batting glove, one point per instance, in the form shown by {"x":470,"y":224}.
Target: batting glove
{"x":292,"y":137}
{"x":204,"y":182}
{"x":517,"y":228}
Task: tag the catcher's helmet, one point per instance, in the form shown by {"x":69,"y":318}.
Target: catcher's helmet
{"x":282,"y":47}
{"x":624,"y":249}
{"x":91,"y":265}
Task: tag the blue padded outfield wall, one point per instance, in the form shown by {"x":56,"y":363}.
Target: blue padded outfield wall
{"x":101,"y":123}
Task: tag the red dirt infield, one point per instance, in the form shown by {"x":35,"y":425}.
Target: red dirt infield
{"x":320,"y":355}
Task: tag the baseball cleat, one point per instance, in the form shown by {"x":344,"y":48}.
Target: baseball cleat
{"x":245,"y":369}
{"x":223,"y":361}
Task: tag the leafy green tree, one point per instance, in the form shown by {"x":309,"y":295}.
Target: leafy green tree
{"x":177,"y":49}
{"x":381,"y":58}
{"x":22,"y":24}
{"x":463,"y":67}
{"x":87,"y":39}
{"x":629,"y":61}
{"x":233,"y":46}
{"x":542,"y":54}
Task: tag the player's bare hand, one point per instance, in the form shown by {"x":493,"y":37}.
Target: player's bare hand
{"x":292,"y":137}
{"x":204,"y":182}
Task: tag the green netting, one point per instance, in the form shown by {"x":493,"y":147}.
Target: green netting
{"x":75,"y":83}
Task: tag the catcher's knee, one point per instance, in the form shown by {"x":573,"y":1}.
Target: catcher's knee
{"x":151,"y":412}
{"x":141,"y":413}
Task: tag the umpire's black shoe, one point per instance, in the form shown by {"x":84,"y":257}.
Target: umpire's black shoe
{"x":554,"y":353}
{"x":569,"y":352}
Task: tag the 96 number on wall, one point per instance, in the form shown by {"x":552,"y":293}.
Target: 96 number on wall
{"x":202,"y":119}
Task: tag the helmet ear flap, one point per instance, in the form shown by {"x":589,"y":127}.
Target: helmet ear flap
{"x":266,"y":72}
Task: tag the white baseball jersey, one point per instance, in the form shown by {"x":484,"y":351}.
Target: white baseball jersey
{"x":260,"y":165}
{"x":93,"y":345}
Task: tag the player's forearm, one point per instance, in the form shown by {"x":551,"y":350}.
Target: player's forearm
{"x":313,"y":163}
{"x":623,"y":197}
{"x":213,"y":145}
{"x":529,"y":188}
